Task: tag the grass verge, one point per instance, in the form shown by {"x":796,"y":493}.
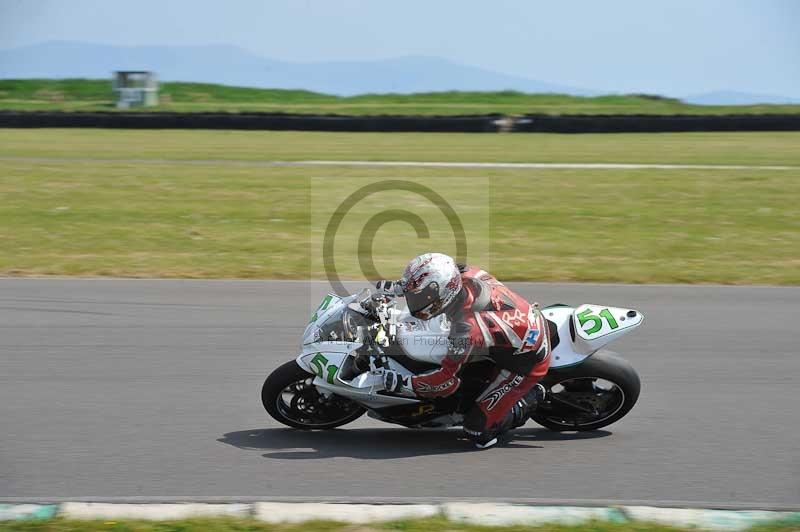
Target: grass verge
{"x":188,"y":218}
{"x":96,"y":95}
{"x":773,"y":148}
{"x":245,"y":525}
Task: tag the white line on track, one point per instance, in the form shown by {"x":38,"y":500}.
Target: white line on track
{"x":407,"y":164}
{"x":600,"y":166}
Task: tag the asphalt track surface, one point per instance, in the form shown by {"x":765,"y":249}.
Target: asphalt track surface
{"x":149,"y":390}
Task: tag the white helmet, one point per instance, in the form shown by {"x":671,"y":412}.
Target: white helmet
{"x":430,"y":282}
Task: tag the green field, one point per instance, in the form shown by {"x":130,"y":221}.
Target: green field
{"x":94,"y":95}
{"x":206,"y":204}
{"x":774,"y":148}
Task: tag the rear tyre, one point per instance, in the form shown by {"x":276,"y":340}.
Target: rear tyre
{"x":290,"y":397}
{"x":589,"y":396}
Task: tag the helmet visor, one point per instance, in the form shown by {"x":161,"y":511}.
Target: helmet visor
{"x":419,"y":301}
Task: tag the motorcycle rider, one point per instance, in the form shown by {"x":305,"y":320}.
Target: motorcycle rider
{"x":488,"y":318}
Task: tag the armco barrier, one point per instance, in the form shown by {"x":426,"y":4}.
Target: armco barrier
{"x":253,"y":121}
{"x":394,"y":123}
{"x":654,"y":123}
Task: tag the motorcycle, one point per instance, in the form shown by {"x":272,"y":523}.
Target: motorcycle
{"x":337,"y":376}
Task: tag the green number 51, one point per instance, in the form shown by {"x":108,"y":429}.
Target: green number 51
{"x":597,"y":321}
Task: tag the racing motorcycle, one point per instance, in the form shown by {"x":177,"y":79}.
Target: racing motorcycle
{"x":337,"y":376}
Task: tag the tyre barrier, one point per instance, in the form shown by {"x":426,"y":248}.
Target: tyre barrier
{"x":253,"y":121}
{"x":654,"y":123}
{"x":494,"y":123}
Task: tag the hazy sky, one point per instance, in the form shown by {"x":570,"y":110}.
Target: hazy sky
{"x":674,"y":47}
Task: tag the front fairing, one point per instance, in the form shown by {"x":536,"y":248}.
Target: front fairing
{"x":334,"y":320}
{"x":336,"y":326}
{"x":335,"y":332}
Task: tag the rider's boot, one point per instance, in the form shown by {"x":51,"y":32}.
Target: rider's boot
{"x":485,"y":444}
{"x":531,"y":400}
{"x":517,"y":417}
{"x":523,"y":409}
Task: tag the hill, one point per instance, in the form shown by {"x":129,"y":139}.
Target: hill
{"x":231,"y":65}
{"x":95,"y":94}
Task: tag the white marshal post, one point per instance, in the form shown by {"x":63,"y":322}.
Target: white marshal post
{"x":135,"y":88}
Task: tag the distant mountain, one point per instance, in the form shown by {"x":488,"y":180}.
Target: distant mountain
{"x":737,"y":98}
{"x":230,"y":65}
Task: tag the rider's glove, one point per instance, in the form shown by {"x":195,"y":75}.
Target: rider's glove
{"x":389,"y":288}
{"x":371,"y":304}
{"x":397,"y":384}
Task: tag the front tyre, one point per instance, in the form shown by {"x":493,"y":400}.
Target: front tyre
{"x":589,"y":396}
{"x":290,"y":397}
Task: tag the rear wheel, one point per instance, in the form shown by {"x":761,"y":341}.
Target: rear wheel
{"x":589,"y":396}
{"x":289,"y":396}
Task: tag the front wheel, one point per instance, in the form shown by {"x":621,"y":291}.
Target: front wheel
{"x":589,"y":396}
{"x":289,"y":396}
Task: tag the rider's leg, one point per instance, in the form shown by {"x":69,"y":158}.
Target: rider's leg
{"x":504,"y":405}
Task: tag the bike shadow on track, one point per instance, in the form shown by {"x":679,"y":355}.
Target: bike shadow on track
{"x":380,"y":444}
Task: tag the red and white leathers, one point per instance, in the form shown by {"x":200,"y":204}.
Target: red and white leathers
{"x":489,"y":318}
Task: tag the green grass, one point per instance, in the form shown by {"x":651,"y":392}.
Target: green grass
{"x":774,"y":148}
{"x":94,"y":94}
{"x":247,"y":525}
{"x":183,"y":217}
